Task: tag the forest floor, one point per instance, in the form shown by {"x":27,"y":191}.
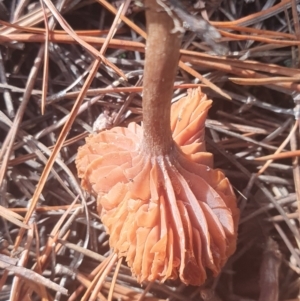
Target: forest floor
{"x":53,"y":245}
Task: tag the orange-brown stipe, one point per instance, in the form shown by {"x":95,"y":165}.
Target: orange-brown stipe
{"x":169,"y":215}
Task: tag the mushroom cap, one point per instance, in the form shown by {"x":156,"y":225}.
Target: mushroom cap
{"x":170,"y":216}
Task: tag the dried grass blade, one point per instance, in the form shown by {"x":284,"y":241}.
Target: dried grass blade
{"x":258,"y":32}
{"x":203,"y":79}
{"x":104,"y":273}
{"x":30,"y":275}
{"x":104,"y":266}
{"x":43,"y":31}
{"x":296,"y":24}
{"x":63,"y":38}
{"x":94,"y":92}
{"x":296,"y":170}
{"x":44,"y":208}
{"x":263,"y":81}
{"x":12,"y":217}
{"x":259,"y":16}
{"x":46,"y":61}
{"x":280,"y":148}
{"x":240,"y":37}
{"x":114,"y":279}
{"x":247,"y":64}
{"x":285,"y":155}
{"x":30,"y":19}
{"x":10,"y":212}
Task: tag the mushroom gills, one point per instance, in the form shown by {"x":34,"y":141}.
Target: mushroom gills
{"x":169,"y":215}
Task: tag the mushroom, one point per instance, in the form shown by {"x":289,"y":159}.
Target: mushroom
{"x":167,"y":211}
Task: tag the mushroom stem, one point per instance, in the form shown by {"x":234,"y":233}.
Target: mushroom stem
{"x":167,"y":211}
{"x":162,"y":55}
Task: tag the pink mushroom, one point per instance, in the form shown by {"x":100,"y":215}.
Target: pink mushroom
{"x":167,"y":211}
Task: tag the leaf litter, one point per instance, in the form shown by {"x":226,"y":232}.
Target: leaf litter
{"x":56,"y":80}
